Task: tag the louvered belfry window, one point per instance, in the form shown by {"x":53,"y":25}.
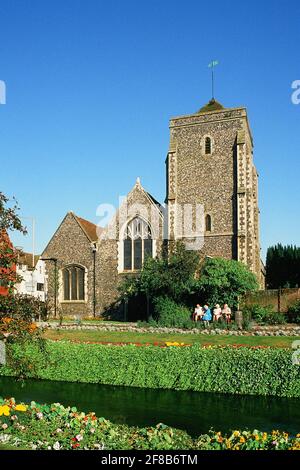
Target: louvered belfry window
{"x":207,"y":146}
{"x":138,"y":244}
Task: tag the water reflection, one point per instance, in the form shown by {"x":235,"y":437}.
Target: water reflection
{"x":195,"y":412}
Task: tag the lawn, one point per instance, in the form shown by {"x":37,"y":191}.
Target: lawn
{"x":133,"y":337}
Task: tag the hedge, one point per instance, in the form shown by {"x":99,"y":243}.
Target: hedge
{"x":213,"y":369}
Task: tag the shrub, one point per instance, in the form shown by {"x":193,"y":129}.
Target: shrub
{"x":224,"y":281}
{"x":23,"y":306}
{"x":169,"y":314}
{"x":294,"y":312}
{"x":236,"y":370}
{"x":264,"y":315}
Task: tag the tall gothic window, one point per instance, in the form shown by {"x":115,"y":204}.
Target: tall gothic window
{"x":207,"y":146}
{"x":73,"y":282}
{"x":208,"y":223}
{"x":138,"y":244}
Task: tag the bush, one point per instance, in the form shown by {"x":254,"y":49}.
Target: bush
{"x":264,"y":315}
{"x":294,"y":312}
{"x":237,"y":370}
{"x":224,"y":281}
{"x":23,"y":306}
{"x":169,"y":314}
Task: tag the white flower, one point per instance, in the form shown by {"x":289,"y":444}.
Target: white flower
{"x":49,"y":447}
{"x":58,"y":430}
{"x":39,"y":415}
{"x":99,"y":446}
{"x":56,"y":445}
{"x":14,"y":417}
{"x":67,"y":425}
{"x":79,"y":437}
{"x":92,"y":430}
{"x":4,"y":426}
{"x":34,"y":446}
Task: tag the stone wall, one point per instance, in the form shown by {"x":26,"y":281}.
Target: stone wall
{"x":280,"y":299}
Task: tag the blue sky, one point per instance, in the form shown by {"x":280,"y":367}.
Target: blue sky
{"x":91,"y":86}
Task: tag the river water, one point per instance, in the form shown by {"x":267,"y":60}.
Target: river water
{"x":192,"y":411}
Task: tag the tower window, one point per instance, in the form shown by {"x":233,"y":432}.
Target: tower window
{"x":73,"y":280}
{"x":208,"y":223}
{"x":207,"y":146}
{"x":137,"y":244}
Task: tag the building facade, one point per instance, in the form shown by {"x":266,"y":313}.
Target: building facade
{"x":31,"y":270}
{"x":211,"y":205}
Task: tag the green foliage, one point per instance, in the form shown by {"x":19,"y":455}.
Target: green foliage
{"x":264,"y":315}
{"x":9,"y":220}
{"x":243,"y":370}
{"x":23,"y":306}
{"x":172,"y":277}
{"x":168,"y":313}
{"x":283,"y":266}
{"x":224,"y":281}
{"x":294,"y":312}
{"x":56,"y":427}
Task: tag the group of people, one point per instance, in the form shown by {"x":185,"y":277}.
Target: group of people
{"x":204,"y":313}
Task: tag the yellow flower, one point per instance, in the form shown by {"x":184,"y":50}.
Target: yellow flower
{"x":242,"y":440}
{"x":4,"y":410}
{"x":21,"y":407}
{"x":236,"y":433}
{"x":265,"y":435}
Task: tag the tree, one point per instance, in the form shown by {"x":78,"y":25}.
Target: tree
{"x":224,"y":281}
{"x":16,"y":326}
{"x":172,"y":276}
{"x":283,"y":266}
{"x":9,"y":220}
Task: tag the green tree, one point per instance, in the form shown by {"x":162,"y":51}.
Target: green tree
{"x":283,"y":266}
{"x":172,"y":276}
{"x":224,"y":281}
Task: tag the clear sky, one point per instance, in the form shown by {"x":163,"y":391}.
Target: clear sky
{"x":91,"y":85}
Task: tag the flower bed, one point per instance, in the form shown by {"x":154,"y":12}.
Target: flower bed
{"x":55,"y":427}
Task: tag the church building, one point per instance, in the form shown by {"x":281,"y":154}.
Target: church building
{"x":211,"y":205}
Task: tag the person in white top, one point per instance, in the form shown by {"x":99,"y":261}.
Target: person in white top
{"x":198,"y":313}
{"x":226,"y":312}
{"x":217,"y":312}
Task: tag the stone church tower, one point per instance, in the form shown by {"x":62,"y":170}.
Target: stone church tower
{"x":210,"y":168}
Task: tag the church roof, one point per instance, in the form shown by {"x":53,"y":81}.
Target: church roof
{"x":89,"y":228}
{"x":212,"y":105}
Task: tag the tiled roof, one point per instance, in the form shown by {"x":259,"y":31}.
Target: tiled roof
{"x":89,"y":228}
{"x":26,"y":259}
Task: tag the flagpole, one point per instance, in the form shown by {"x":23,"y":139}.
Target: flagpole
{"x":212,"y":80}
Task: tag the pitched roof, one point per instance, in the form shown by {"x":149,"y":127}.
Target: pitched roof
{"x":26,"y":259}
{"x":212,"y":105}
{"x":89,"y":228}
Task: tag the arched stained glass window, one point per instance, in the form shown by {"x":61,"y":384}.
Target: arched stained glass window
{"x":73,"y":282}
{"x":138,"y":244}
